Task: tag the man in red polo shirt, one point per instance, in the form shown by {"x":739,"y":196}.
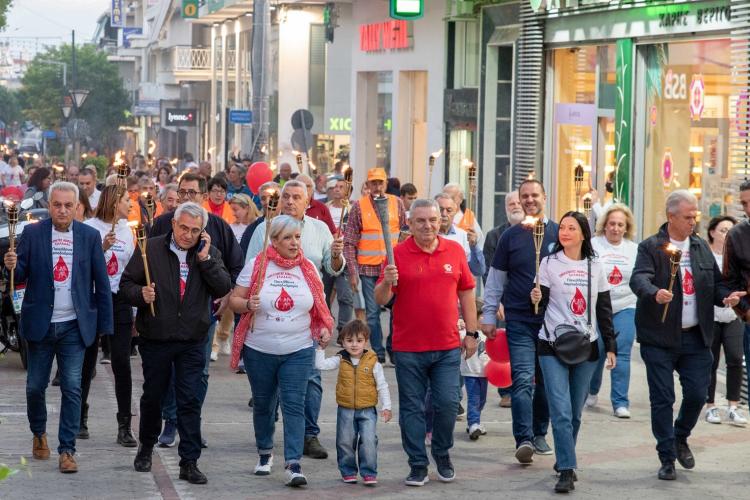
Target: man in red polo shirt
{"x":430,"y":276}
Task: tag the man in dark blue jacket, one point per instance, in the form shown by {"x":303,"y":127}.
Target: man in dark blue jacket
{"x":67,"y":302}
{"x":682,"y":341}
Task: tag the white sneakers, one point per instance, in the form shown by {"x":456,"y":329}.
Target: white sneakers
{"x":734,"y":416}
{"x":225,"y":347}
{"x":476,"y":430}
{"x":622,"y":412}
{"x":263,"y":467}
{"x":591,"y":400}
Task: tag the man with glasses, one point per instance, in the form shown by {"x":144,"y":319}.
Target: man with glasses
{"x":450,"y":231}
{"x":192,"y":188}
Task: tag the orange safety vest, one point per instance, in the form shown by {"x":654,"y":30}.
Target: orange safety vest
{"x":135,"y":209}
{"x":467,"y":221}
{"x":371,"y":247}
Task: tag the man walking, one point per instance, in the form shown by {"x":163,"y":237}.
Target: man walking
{"x":429,"y":277}
{"x":186,"y":272}
{"x":681,"y":342}
{"x":68,"y":301}
{"x":510,"y":280}
{"x":364,"y":248}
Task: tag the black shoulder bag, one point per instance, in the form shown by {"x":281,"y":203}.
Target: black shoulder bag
{"x":572,"y":346}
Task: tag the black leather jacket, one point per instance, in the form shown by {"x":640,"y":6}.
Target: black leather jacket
{"x":652,"y":272}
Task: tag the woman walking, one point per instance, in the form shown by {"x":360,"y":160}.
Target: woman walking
{"x":573,"y":294}
{"x":616,"y":251}
{"x":118,"y":246}
{"x":728,"y":332}
{"x":276,"y":338}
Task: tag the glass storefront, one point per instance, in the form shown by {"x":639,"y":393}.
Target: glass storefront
{"x":583,"y":123}
{"x":688,"y":87}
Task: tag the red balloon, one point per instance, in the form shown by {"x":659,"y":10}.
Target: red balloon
{"x":498,"y":374}
{"x":497,"y":348}
{"x":258,"y":174}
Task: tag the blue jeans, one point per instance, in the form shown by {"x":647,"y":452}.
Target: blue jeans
{"x":367,"y":283}
{"x":345,"y":299}
{"x":169,"y":404}
{"x":692,"y":361}
{"x":624,"y":322}
{"x":179,"y":364}
{"x":529,"y":408}
{"x":566,"y":388}
{"x":63,"y":340}
{"x":357,"y":441}
{"x":476,"y":397}
{"x":279,"y":377}
{"x":415,"y":372}
{"x":313,"y":399}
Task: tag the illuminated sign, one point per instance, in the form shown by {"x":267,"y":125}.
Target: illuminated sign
{"x":389,"y":35}
{"x":697,"y":97}
{"x":407,"y":9}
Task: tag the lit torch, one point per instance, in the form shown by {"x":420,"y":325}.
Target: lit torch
{"x":12,"y":211}
{"x":675,"y":256}
{"x":59,"y":173}
{"x":150,"y":204}
{"x":140,"y":237}
{"x":298,"y":159}
{"x":578,"y":182}
{"x":270,"y":213}
{"x":120,"y":183}
{"x":536,"y":226}
{"x":431,"y":165}
{"x":472,"y":169}
{"x":587,"y":206}
{"x":348,"y":172}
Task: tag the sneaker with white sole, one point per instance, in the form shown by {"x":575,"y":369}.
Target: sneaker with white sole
{"x":713,"y":415}
{"x":417,"y":477}
{"x":735,"y":417}
{"x":225,"y":347}
{"x":476,"y":430}
{"x":214,"y":356}
{"x":351,"y":479}
{"x":294,"y":476}
{"x":622,"y":412}
{"x":525,"y":453}
{"x":591,"y":400}
{"x":263,"y":467}
{"x":445,"y":471}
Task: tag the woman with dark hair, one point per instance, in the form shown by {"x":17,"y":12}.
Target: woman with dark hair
{"x":728,"y":332}
{"x":83,"y":210}
{"x":39,"y":183}
{"x":573,"y":291}
{"x":118,"y":247}
{"x":162,"y":177}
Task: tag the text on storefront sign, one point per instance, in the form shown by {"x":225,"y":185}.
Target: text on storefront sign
{"x":389,"y":35}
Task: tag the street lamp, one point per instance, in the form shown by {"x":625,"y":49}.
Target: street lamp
{"x":79,"y":96}
{"x":67,"y":106}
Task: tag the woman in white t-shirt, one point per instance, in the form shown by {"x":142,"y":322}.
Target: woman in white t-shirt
{"x":573,"y":291}
{"x":616,"y":252}
{"x":118,"y":246}
{"x":245,"y":212}
{"x":728,"y":332}
{"x":276,"y":337}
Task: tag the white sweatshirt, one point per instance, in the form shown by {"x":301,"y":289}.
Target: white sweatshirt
{"x":323,"y":363}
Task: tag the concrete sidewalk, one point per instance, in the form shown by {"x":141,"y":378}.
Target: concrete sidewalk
{"x":617,"y":459}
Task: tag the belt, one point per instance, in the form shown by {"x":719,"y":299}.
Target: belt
{"x":696,"y":327}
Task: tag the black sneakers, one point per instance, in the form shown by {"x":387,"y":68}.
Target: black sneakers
{"x":445,"y":470}
{"x":189,"y":472}
{"x":417,"y":477}
{"x":142,"y":462}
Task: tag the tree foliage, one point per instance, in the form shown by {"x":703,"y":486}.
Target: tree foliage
{"x":4,"y":6}
{"x":105,"y":106}
{"x":10,"y":108}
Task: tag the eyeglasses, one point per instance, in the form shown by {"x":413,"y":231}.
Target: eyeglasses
{"x":219,"y":191}
{"x":190,"y":192}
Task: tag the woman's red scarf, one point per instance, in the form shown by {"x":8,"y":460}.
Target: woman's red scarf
{"x":217,"y":210}
{"x":320,"y":316}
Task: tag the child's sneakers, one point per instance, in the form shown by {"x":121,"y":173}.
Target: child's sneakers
{"x":349,"y":479}
{"x":370,"y":480}
{"x":475,"y":430}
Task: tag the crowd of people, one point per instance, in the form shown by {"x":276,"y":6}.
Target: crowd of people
{"x":222,"y":274}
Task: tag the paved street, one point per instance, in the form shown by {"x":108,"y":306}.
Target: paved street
{"x":616,"y":457}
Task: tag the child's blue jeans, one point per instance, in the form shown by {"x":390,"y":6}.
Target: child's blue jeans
{"x":356,"y":438}
{"x":476,"y":397}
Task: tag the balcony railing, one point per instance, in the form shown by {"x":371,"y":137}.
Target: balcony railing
{"x":189,"y":59}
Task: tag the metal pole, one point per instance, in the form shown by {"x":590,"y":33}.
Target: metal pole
{"x":260,"y":73}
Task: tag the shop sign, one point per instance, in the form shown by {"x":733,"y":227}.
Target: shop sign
{"x":240,"y":116}
{"x":461,"y":107}
{"x":127,"y":33}
{"x":697,"y":97}
{"x":675,"y":86}
{"x":180,"y":117}
{"x":388,"y":35}
{"x":339,"y":124}
{"x":190,"y":9}
{"x":667,"y":168}
{"x":147,"y":107}
{"x":116,"y":19}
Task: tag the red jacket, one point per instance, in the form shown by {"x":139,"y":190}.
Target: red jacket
{"x":318,"y":210}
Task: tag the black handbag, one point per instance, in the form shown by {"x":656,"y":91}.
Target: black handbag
{"x":572,"y":346}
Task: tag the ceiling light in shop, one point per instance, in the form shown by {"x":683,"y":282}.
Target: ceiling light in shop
{"x":609,"y":147}
{"x":583,"y":147}
{"x":696,"y":149}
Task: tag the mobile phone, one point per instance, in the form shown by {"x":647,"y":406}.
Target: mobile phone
{"x":202,"y":242}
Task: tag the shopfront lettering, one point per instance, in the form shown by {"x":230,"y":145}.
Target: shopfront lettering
{"x":675,"y":85}
{"x":669,"y":19}
{"x":339,"y":124}
{"x":714,"y":14}
{"x":389,"y":35}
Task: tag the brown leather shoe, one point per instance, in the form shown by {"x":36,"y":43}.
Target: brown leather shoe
{"x":67,"y":463}
{"x":40,"y":450}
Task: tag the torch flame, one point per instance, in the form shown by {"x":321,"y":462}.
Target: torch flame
{"x":133,"y":224}
{"x":672,"y":249}
{"x":436,"y":154}
{"x":529,"y":221}
{"x":151,"y":146}
{"x":467,"y":163}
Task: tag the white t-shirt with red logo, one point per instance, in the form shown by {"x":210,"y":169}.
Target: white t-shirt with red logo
{"x":118,"y":255}
{"x":184,"y":270}
{"x":689,"y":304}
{"x":567,"y":280}
{"x":62,"y":274}
{"x":282,"y":325}
{"x":618,"y":262}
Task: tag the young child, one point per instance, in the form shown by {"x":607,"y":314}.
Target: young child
{"x":472,"y":370}
{"x":359,"y":386}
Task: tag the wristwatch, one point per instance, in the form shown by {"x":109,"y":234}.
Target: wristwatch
{"x":473,"y":334}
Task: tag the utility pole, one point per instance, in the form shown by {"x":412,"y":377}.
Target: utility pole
{"x":260,"y":75}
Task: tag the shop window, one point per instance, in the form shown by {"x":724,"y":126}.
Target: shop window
{"x":466,"y":54}
{"x":688,"y":87}
{"x":385,"y":116}
{"x":584,"y":101}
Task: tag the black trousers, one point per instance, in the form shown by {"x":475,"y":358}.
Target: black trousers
{"x":692,"y":361}
{"x":729,"y":335}
{"x":120,"y":356}
{"x":188,"y":359}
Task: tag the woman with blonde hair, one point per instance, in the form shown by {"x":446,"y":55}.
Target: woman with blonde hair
{"x":245,"y":212}
{"x":616,"y":251}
